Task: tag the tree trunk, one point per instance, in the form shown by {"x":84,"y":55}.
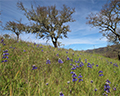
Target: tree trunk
{"x":54,"y":42}
{"x":17,"y":37}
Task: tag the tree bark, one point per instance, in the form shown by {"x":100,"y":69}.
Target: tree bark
{"x":54,"y":42}
{"x":17,"y":37}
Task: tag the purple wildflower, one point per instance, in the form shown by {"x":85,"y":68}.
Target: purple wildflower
{"x":78,"y":61}
{"x":80,"y":80}
{"x":60,"y":61}
{"x":34,"y":67}
{"x":48,"y":61}
{"x":81,"y":64}
{"x":71,"y":72}
{"x":74,"y":79}
{"x":5,"y":57}
{"x":41,"y":47}
{"x":73,"y":68}
{"x":115,"y":65}
{"x":77,"y":66}
{"x":5,"y":51}
{"x":91,"y":81}
{"x":75,"y":61}
{"x":2,"y":40}
{"x":61,"y":94}
{"x":114,"y":89}
{"x":89,"y":65}
{"x":38,"y":45}
{"x":80,"y":76}
{"x":107,"y":87}
{"x":101,"y":75}
{"x":68,"y":58}
{"x":71,"y":60}
{"x":5,"y":54}
{"x":74,"y":75}
{"x":4,"y":60}
{"x":108,"y":81}
{"x":96,"y":65}
{"x":95,"y":89}
{"x":100,"y":72}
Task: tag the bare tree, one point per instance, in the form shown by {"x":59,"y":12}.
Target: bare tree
{"x":108,"y":21}
{"x":48,"y":23}
{"x":17,"y":28}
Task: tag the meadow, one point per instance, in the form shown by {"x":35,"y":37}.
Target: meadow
{"x":30,"y":69}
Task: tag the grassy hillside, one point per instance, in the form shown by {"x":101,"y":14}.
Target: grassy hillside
{"x":106,"y":51}
{"x":28,"y":69}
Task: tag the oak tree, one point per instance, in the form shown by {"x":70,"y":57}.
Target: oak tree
{"x":17,"y":28}
{"x":108,"y":21}
{"x":48,"y":22}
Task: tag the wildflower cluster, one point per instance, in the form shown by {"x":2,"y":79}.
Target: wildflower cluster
{"x":5,"y":55}
{"x":61,"y":94}
{"x":60,"y":61}
{"x":89,"y":65}
{"x":100,"y":72}
{"x":74,"y":77}
{"x":106,"y":86}
{"x":2,"y":41}
{"x":48,"y":61}
{"x":34,"y":67}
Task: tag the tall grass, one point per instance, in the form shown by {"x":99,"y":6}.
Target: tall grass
{"x":39,"y":70}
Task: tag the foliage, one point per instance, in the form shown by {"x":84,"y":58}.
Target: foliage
{"x":48,"y":22}
{"x":17,"y":28}
{"x":6,"y":36}
{"x":107,"y":20}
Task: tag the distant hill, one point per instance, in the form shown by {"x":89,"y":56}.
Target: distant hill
{"x":106,"y":51}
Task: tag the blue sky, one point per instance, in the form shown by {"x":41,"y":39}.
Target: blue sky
{"x":81,"y":37}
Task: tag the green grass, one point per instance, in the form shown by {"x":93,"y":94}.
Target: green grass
{"x":18,"y":79}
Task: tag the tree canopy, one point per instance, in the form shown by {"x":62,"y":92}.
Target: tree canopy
{"x":48,"y":21}
{"x":108,"y":20}
{"x":17,"y":28}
